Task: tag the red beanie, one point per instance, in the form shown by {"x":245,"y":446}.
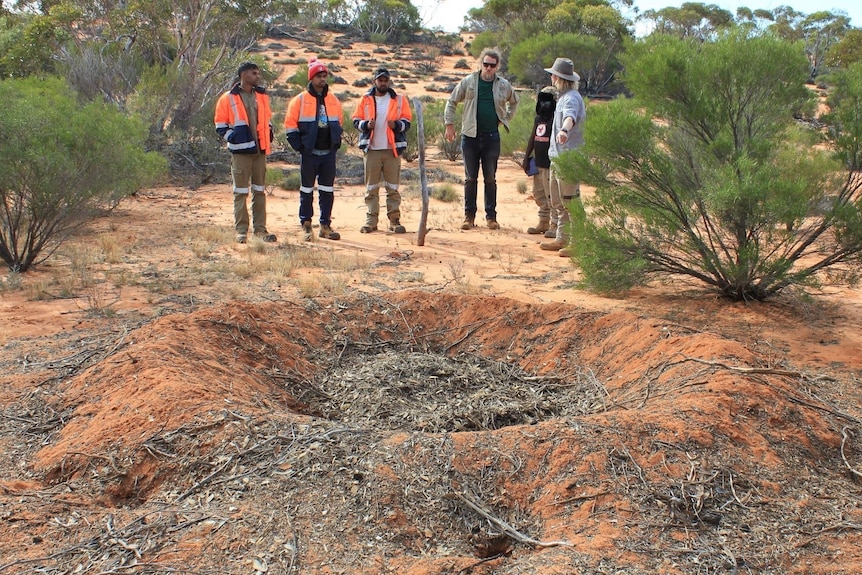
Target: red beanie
{"x":315,"y":67}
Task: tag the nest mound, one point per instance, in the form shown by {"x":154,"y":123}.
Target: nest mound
{"x":423,"y":433}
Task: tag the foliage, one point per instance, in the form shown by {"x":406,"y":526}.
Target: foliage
{"x":435,"y":130}
{"x":104,"y":71}
{"x":596,"y":65}
{"x":532,"y":34}
{"x":445,"y":192}
{"x":845,"y":118}
{"x":706,"y":174}
{"x":28,"y":42}
{"x":846,"y":51}
{"x":481,"y":41}
{"x":388,"y":20}
{"x":820,"y":32}
{"x":66,"y":162}
{"x":520,"y":126}
{"x":690,"y":20}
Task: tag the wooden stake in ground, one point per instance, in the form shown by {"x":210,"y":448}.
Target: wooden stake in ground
{"x":423,"y":178}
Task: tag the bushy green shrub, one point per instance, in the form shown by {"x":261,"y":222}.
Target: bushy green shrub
{"x":520,"y":126}
{"x":486,"y":39}
{"x":66,"y":162}
{"x":708,"y":175}
{"x":445,"y":192}
{"x":532,"y":55}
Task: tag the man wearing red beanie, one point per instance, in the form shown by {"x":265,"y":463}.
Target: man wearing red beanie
{"x":313,"y":125}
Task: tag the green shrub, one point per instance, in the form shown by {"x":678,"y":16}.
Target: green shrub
{"x":708,"y":175}
{"x":66,"y":163}
{"x":519,"y":127}
{"x":445,"y":193}
{"x":486,"y":39}
{"x":291,"y":181}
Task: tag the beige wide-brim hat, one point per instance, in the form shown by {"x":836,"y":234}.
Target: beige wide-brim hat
{"x":565,"y":69}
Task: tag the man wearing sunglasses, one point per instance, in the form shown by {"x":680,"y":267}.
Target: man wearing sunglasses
{"x":489,"y":100}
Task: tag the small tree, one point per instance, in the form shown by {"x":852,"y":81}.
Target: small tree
{"x":65,"y":163}
{"x":706,"y":174}
{"x":845,"y":119}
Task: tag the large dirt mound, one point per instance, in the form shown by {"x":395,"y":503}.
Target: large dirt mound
{"x":418,"y":433}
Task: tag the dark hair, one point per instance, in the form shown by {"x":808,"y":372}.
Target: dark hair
{"x":247,"y":66}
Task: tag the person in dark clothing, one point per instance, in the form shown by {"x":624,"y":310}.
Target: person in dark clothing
{"x":313,"y":126}
{"x":538,"y":164}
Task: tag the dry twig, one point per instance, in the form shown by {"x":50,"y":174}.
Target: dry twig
{"x":505,"y":527}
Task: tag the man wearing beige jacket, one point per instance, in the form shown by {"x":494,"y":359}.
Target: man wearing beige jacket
{"x":489,"y":100}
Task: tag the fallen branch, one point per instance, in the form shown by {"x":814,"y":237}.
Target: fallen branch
{"x":582,"y":497}
{"x":505,"y":527}
{"x":836,"y":527}
{"x":747,"y":370}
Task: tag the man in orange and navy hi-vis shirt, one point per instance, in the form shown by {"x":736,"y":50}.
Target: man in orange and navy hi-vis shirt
{"x":243,"y":118}
{"x":313,"y":126}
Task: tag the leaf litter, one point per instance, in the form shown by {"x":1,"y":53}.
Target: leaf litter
{"x":410,"y":435}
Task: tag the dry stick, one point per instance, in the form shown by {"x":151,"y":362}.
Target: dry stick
{"x":844,"y":435}
{"x":505,"y":527}
{"x":470,"y":332}
{"x":423,"y":178}
{"x":747,"y":370}
{"x":786,"y":373}
{"x":835,"y":527}
{"x":582,"y":497}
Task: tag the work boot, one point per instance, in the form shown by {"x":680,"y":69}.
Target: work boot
{"x":368,"y":228}
{"x":469,"y":223}
{"x":306,"y":229}
{"x":541,"y":227}
{"x":492,"y":224}
{"x":567,"y":252}
{"x":328,"y":233}
{"x":267,"y":237}
{"x":396,"y":227}
{"x":553,"y":246}
{"x":241,"y":239}
{"x":551,"y":232}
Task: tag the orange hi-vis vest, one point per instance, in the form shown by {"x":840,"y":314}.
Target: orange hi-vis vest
{"x":398,"y":111}
{"x":231,"y":122}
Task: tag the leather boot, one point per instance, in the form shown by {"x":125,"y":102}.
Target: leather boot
{"x":553,"y":246}
{"x":540,"y":228}
{"x":469,"y":223}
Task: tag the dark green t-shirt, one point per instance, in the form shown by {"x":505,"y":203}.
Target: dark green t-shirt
{"x":486,"y":114}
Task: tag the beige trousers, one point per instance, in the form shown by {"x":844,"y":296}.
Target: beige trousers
{"x":382,"y":168}
{"x":542,"y":193}
{"x":563,"y":193}
{"x":249,"y":176}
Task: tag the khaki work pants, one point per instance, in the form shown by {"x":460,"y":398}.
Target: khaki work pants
{"x":382,"y":168}
{"x":249,"y":175}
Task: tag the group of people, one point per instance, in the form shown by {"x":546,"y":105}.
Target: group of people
{"x":243,"y":118}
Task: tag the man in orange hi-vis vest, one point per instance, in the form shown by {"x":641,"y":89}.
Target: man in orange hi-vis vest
{"x":313,"y":128}
{"x":244,"y":119}
{"x":382,"y":118}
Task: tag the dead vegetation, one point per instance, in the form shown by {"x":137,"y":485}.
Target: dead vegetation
{"x":411,"y":434}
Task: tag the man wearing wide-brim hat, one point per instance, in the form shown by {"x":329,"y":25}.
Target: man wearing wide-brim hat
{"x":567,"y":133}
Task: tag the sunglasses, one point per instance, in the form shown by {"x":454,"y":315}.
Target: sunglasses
{"x":489,"y":64}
